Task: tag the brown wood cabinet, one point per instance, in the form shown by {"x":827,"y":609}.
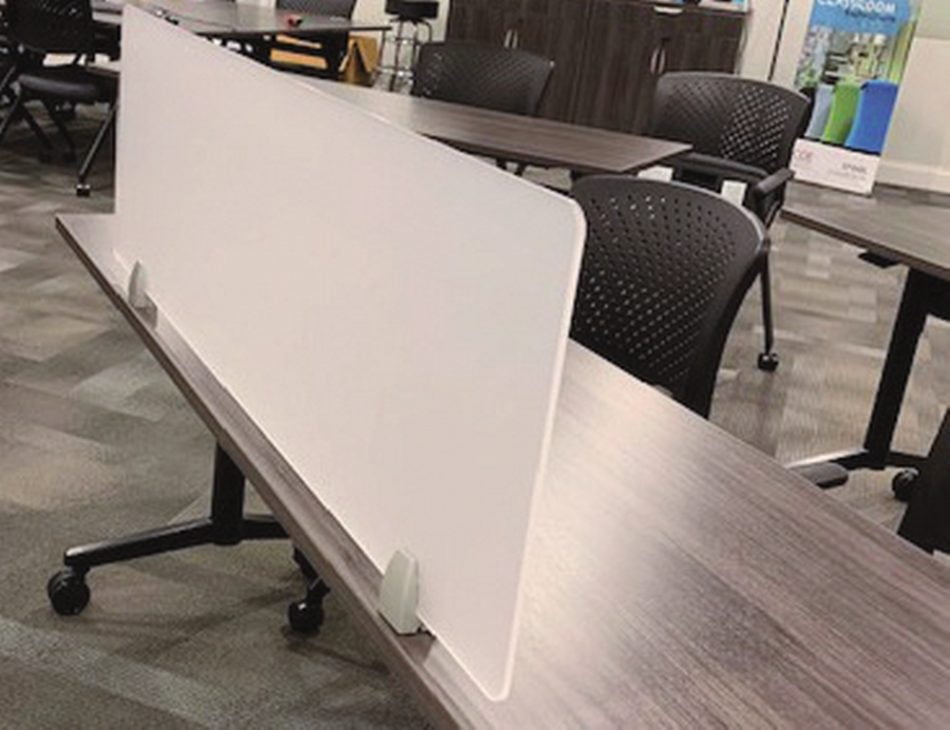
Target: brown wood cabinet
{"x":553,"y":29}
{"x":608,"y":54}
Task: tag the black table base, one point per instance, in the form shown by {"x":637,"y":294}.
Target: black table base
{"x":923,"y":296}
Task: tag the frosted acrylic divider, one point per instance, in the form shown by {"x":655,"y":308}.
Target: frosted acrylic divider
{"x":391,"y":313}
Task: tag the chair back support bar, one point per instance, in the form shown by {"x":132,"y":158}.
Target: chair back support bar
{"x":665,"y":269}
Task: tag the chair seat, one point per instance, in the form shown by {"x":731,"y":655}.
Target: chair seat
{"x":69,"y":82}
{"x":413,"y":9}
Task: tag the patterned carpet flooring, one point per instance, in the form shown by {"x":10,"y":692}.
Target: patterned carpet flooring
{"x":96,"y":442}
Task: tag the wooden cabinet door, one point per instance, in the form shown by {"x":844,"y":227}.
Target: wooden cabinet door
{"x":617,"y":76}
{"x":482,"y":21}
{"x":699,"y":40}
{"x":555,"y":29}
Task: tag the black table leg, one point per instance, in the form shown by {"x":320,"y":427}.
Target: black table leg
{"x":226,"y":525}
{"x":335,"y":47}
{"x":926,"y":522}
{"x":921,"y":293}
{"x":908,"y":327}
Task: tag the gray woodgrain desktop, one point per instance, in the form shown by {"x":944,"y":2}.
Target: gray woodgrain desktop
{"x":512,"y":137}
{"x":676,"y":575}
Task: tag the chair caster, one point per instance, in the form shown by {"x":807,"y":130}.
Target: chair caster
{"x":904,"y":484}
{"x":45,"y":157}
{"x":68,"y":592}
{"x":306,"y":616}
{"x":768,"y":361}
{"x":83,"y":190}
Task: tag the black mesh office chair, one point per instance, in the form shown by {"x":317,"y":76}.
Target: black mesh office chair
{"x":665,"y":269}
{"x":62,"y":27}
{"x":501,"y":79}
{"x":740,"y":129}
{"x":336,"y":8}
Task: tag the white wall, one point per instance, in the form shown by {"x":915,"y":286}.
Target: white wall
{"x":918,"y":148}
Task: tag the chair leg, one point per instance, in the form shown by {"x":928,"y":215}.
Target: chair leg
{"x":47,"y":153}
{"x":19,"y":111}
{"x":82,"y":187}
{"x":54,"y":115}
{"x":12,"y":114}
{"x":7,"y":82}
{"x":768,"y":359}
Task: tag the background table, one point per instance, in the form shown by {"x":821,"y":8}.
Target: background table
{"x":675,"y":575}
{"x":253,"y":25}
{"x":510,"y":137}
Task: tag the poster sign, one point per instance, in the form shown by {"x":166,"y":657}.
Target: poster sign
{"x":851,"y":65}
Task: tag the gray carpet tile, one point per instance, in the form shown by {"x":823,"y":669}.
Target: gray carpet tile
{"x":96,"y":442}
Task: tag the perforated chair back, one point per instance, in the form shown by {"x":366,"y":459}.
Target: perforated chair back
{"x":665,"y":269}
{"x":743,"y":120}
{"x":335,"y":8}
{"x":501,"y":79}
{"x":52,"y":26}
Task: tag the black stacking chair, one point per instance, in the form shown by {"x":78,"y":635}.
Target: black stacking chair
{"x":13,"y":60}
{"x":501,"y":79}
{"x":309,"y":50}
{"x":44,"y":27}
{"x":742,"y":130}
{"x":665,"y":269}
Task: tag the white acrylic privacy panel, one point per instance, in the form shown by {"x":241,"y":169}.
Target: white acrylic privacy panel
{"x":391,"y":313}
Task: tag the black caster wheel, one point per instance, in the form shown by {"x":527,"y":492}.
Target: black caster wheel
{"x":305,"y":567}
{"x":45,"y":157}
{"x":68,"y":592}
{"x":904,"y":484}
{"x":768,"y":361}
{"x":305,"y":617}
{"x":83,"y":190}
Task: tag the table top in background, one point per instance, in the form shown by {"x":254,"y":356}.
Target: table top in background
{"x":513,"y":137}
{"x":902,"y":230}
{"x":234,"y":20}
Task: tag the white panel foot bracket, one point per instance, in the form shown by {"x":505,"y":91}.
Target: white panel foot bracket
{"x":138,"y":296}
{"x":399,"y":593}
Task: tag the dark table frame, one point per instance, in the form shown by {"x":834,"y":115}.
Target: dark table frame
{"x":926,"y":292}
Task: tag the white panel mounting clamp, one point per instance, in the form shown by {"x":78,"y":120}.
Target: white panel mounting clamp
{"x":138,"y":296}
{"x":399,"y":593}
